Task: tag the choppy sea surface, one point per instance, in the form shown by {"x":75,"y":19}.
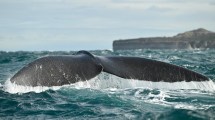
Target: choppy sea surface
{"x":108,"y":96}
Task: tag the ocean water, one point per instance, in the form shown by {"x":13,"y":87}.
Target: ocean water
{"x":110,"y":97}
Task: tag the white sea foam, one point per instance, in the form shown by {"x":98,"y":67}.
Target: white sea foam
{"x":107,"y":81}
{"x":1,"y":85}
{"x":14,"y":88}
{"x":160,"y":97}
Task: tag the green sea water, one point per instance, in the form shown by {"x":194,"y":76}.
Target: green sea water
{"x":111,"y":97}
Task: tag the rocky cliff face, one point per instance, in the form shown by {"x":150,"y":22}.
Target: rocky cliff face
{"x":199,"y":38}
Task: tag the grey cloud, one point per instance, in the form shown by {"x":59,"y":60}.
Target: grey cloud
{"x":160,"y":9}
{"x":212,"y":3}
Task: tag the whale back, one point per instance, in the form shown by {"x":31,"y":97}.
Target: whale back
{"x":58,"y":70}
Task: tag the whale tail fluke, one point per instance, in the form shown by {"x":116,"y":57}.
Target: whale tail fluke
{"x":147,"y":69}
{"x":61,"y":70}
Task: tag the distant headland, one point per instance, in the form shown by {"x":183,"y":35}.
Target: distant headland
{"x":199,"y":38}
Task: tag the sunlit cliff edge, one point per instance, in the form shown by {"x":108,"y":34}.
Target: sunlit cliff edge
{"x":199,"y":38}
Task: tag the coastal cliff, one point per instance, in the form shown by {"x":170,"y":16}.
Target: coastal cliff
{"x":199,"y":38}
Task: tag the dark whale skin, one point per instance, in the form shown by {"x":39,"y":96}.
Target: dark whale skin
{"x":62,"y":70}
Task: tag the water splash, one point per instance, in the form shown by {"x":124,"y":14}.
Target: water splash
{"x":14,"y":88}
{"x":108,"y":81}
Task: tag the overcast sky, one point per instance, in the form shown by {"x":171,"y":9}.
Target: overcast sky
{"x":93,"y":24}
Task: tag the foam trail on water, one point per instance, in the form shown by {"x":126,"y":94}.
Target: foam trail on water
{"x":107,"y":81}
